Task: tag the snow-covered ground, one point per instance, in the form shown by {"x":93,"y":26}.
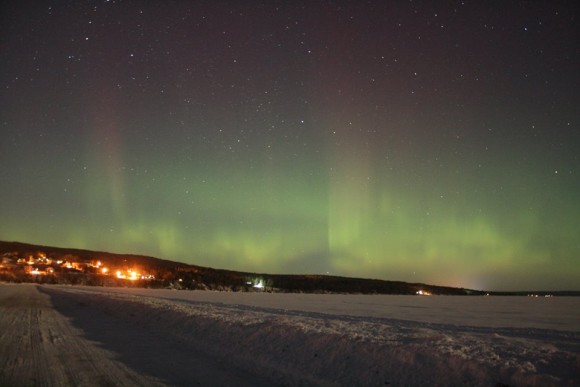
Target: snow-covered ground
{"x":164,"y":337}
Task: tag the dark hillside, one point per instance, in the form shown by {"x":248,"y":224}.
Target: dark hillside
{"x":20,"y":258}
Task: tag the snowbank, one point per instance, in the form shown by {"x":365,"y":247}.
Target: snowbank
{"x":332,"y":340}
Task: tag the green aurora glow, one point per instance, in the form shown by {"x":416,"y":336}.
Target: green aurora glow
{"x":322,"y":162}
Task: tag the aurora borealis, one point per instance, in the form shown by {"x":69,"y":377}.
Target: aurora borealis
{"x":431,"y":142}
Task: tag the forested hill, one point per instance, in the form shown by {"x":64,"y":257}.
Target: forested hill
{"x":154,"y":272}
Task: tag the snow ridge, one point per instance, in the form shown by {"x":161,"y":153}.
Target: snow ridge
{"x":293,"y":347}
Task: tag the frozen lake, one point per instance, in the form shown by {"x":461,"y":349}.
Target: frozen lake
{"x":520,"y":312}
{"x":90,"y":335}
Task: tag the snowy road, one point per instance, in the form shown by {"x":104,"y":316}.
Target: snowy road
{"x":64,"y":341}
{"x":52,"y":335}
{"x":40,"y":347}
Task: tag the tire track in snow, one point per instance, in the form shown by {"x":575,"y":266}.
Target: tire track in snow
{"x":39,"y":346}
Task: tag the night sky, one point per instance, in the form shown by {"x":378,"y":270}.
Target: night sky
{"x":420,"y":141}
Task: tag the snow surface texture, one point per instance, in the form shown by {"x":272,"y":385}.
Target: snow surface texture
{"x":164,"y":337}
